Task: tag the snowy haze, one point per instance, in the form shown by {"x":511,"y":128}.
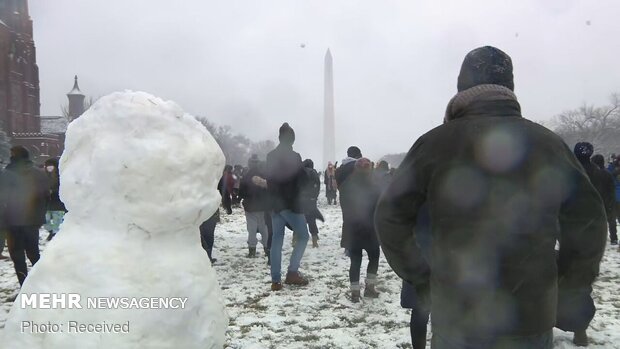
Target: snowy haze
{"x":395,"y":62}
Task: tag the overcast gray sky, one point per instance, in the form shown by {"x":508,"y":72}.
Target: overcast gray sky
{"x":395,"y":62}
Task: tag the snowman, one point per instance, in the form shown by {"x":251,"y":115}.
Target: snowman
{"x":138,"y":176}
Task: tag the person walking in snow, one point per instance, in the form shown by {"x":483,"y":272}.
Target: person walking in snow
{"x":608,"y":194}
{"x":310,"y":193}
{"x":28,"y":194}
{"x":576,"y":310}
{"x":361,"y":197}
{"x":330,"y":184}
{"x":342,"y":174}
{"x":500,"y":191}
{"x":614,"y":169}
{"x":225,"y":188}
{"x":56,"y":209}
{"x":284,"y":172}
{"x":255,"y":203}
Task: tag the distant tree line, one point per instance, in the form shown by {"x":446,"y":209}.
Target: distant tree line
{"x":237,"y":148}
{"x":599,"y":125}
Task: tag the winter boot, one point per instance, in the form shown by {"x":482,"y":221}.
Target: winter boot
{"x":355,"y":292}
{"x":580,"y":338}
{"x":276,"y":286}
{"x":268,"y":254}
{"x":370,"y":291}
{"x":614,"y":242}
{"x":315,"y":241}
{"x":252,"y":252}
{"x":295,"y":278}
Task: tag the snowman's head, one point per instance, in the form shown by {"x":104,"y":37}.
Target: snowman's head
{"x":133,"y":159}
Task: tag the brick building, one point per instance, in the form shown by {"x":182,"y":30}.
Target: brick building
{"x":19,"y":83}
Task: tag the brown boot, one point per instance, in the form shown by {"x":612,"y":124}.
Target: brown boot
{"x":295,"y":278}
{"x":276,"y":286}
{"x":580,"y":338}
{"x":315,"y":241}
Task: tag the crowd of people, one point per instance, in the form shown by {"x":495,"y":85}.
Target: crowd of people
{"x":496,"y":227}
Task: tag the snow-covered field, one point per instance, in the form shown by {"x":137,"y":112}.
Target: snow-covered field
{"x":321,"y":315}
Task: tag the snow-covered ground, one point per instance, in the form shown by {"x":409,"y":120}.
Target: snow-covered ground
{"x":321,"y":315}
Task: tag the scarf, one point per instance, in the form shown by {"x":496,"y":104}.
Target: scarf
{"x":463,"y":99}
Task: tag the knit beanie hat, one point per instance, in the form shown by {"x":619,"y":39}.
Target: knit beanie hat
{"x":287,"y":135}
{"x":486,"y":65}
{"x":354,"y":152}
{"x":583,"y":150}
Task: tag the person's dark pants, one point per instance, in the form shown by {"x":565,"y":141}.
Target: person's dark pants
{"x":23,"y":241}
{"x":540,"y":341}
{"x":227,"y":202}
{"x":312,"y":227}
{"x":356,"y":263}
{"x":207,"y":235}
{"x":269,"y":228}
{"x":417,"y":327}
{"x":613,"y":230}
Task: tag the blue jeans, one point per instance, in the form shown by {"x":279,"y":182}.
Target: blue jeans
{"x":300,"y":229}
{"x":540,"y":341}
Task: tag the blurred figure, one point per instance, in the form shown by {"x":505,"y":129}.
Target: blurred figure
{"x":360,"y":198}
{"x":342,"y":174}
{"x":255,"y":203}
{"x":614,"y":169}
{"x":309,"y":194}
{"x":28,"y":195}
{"x":382,"y":175}
{"x":225,"y":188}
{"x":500,"y":191}
{"x":284,"y":171}
{"x":237,"y":175}
{"x":330,"y":184}
{"x":55,"y":209}
{"x":608,"y":194}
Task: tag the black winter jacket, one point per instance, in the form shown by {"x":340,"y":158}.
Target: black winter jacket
{"x":284,"y":174}
{"x":28,"y":194}
{"x":255,"y":198}
{"x":500,"y":190}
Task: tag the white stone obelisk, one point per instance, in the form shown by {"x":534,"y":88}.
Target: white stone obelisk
{"x":329,"y":118}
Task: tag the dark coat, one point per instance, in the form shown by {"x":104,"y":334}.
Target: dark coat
{"x":358,"y":198}
{"x":284,"y":177}
{"x":496,"y":213}
{"x":55,"y":204}
{"x":603,"y":181}
{"x":28,"y":195}
{"x":255,"y":198}
{"x":310,"y":190}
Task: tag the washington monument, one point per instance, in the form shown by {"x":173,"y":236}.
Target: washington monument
{"x":329,"y":119}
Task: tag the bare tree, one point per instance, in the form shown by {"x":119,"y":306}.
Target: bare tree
{"x":597,"y":125}
{"x":237,"y":148}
